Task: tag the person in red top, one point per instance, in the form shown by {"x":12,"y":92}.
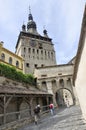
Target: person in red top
{"x":51,"y":106}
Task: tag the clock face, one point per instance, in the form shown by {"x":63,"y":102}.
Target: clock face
{"x":32,"y":43}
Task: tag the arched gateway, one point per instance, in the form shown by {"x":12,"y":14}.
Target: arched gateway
{"x":57,"y":80}
{"x":64,"y":95}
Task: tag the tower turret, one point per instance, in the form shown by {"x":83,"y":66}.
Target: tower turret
{"x":24,"y":28}
{"x":45,"y":33}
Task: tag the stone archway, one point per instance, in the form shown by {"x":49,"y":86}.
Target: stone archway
{"x":63,"y":95}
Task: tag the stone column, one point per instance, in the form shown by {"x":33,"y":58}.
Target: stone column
{"x":4,"y":109}
{"x":65,"y":82}
{"x":75,"y":98}
{"x":54,"y":100}
{"x":49,"y":87}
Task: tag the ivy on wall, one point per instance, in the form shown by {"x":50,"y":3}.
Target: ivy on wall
{"x":12,"y":73}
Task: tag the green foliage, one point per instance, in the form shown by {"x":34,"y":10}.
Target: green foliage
{"x":12,"y":73}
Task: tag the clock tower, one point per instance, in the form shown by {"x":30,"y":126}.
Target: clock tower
{"x":37,"y":50}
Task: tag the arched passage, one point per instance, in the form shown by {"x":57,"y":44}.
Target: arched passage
{"x":62,"y":96}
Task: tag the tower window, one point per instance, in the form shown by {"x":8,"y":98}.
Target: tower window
{"x":48,"y":55}
{"x":27,"y":64}
{"x":42,"y":52}
{"x":35,"y":65}
{"x":42,"y":65}
{"x":52,"y":55}
{"x":24,"y":49}
{"x":45,"y":53}
{"x":29,"y":50}
{"x":37,"y":51}
{"x":33,"y":50}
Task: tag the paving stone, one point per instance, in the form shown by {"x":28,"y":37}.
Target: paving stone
{"x":64,"y":119}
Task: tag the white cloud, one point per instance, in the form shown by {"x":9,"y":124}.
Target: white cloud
{"x":61,"y":18}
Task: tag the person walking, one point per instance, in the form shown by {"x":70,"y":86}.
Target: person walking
{"x":67,"y":103}
{"x":51,"y":106}
{"x":36,"y":113}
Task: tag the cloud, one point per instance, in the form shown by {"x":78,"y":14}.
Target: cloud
{"x":62,"y":19}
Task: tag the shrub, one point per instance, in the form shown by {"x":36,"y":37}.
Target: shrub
{"x":12,"y":73}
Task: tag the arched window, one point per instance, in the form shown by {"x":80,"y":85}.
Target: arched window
{"x":44,"y":85}
{"x":45,"y":55}
{"x":41,"y":52}
{"x":17,"y":63}
{"x":33,"y":50}
{"x":3,"y":56}
{"x":54,"y":83}
{"x":37,"y":51}
{"x":10,"y":60}
{"x":29,"y":50}
{"x":51,"y":55}
{"x":61,"y":82}
{"x":69,"y":82}
{"x":48,"y":54}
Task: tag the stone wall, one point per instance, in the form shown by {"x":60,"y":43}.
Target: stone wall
{"x":17,"y":106}
{"x":57,"y":77}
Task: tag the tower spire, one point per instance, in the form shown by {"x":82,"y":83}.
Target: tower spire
{"x":29,"y":10}
{"x":30,"y":17}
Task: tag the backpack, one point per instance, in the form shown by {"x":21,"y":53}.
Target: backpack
{"x":51,"y":106}
{"x":37,"y":110}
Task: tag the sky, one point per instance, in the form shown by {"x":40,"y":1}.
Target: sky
{"x":61,"y":18}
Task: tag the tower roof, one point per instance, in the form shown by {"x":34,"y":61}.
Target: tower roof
{"x":31,"y":25}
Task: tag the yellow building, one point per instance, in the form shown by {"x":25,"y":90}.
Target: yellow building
{"x":9,"y":58}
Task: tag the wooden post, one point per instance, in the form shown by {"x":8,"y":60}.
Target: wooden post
{"x":5,"y":106}
{"x":31,"y":106}
{"x":4,"y":109}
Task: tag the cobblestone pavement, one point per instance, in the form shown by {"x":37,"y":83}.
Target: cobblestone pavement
{"x":64,"y":119}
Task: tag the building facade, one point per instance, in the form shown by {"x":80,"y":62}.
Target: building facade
{"x":34,"y":54}
{"x":79,"y":77}
{"x":39,"y":58}
{"x":57,"y":80}
{"x":37,"y":50}
{"x":9,"y":58}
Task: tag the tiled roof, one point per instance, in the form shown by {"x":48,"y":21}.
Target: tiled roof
{"x":6,"y":89}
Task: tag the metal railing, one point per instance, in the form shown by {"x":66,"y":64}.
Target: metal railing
{"x":20,"y":115}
